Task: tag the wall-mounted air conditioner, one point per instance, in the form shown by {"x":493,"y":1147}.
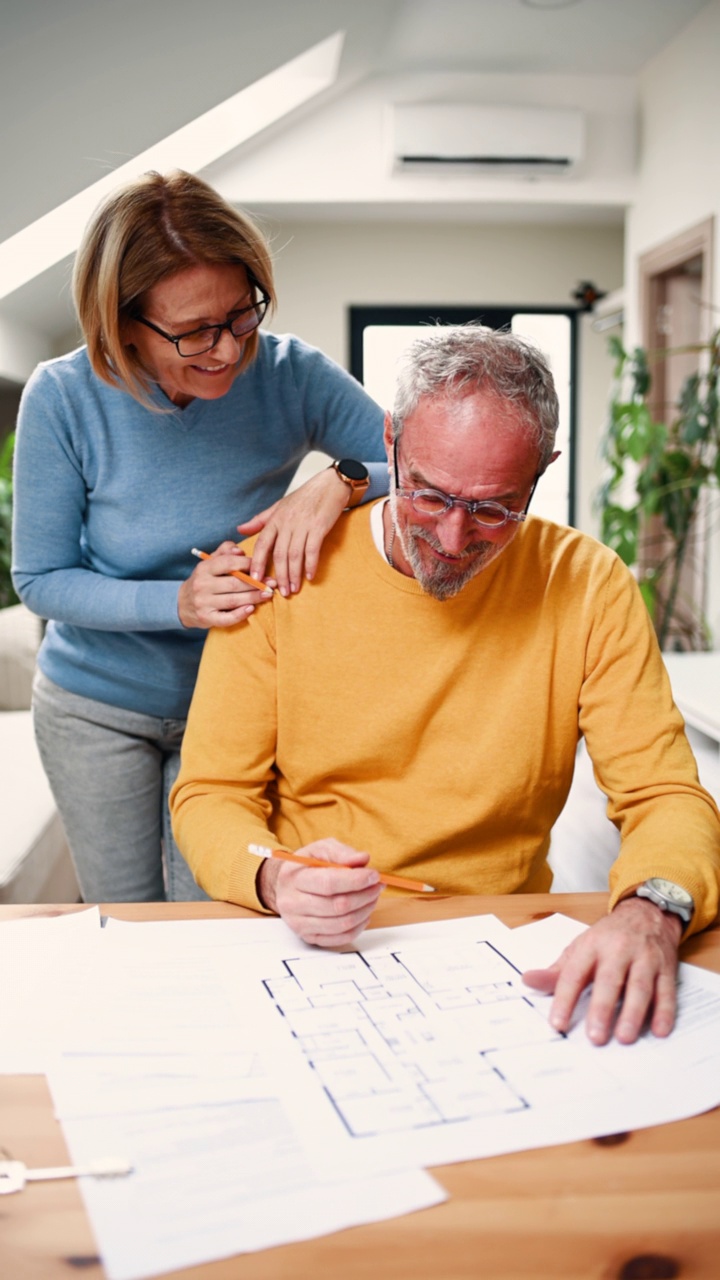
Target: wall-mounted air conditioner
{"x":525,"y":140}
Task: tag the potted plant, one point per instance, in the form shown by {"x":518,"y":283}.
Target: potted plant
{"x":7,"y":591}
{"x":658,"y":473}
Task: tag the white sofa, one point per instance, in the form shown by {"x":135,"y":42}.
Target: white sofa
{"x":35,"y":864}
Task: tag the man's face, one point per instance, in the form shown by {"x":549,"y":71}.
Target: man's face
{"x":477,"y":447}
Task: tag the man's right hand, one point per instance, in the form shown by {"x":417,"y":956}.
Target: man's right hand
{"x":327,"y":908}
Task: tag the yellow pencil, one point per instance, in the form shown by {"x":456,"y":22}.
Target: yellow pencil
{"x":235,"y":573}
{"x":398,"y":882}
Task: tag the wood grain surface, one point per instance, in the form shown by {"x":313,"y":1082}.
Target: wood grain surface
{"x":634,"y":1206}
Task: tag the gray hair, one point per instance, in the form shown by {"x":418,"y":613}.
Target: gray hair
{"x":456,"y":360}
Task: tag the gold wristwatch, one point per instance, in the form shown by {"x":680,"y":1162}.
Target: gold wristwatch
{"x":355,"y":476}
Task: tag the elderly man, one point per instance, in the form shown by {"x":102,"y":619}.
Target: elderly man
{"x":417,"y":709}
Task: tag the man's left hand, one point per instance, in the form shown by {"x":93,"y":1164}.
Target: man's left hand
{"x":631,"y":958}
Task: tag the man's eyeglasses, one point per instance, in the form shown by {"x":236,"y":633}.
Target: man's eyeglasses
{"x":433,"y":502}
{"x":197,"y":341}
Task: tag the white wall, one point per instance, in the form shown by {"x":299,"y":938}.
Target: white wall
{"x":21,"y":348}
{"x":323,"y":268}
{"x":342,"y":153}
{"x":679,"y":176}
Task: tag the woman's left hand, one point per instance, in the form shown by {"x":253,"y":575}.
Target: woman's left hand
{"x":292,"y":529}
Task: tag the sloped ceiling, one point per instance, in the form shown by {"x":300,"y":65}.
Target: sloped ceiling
{"x":85,"y":85}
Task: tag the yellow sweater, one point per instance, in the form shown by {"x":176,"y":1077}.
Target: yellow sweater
{"x":440,"y":737}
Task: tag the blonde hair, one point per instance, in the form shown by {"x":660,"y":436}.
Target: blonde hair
{"x":143,"y":233}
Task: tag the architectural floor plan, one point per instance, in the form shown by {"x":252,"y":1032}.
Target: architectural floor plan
{"x":431,"y":1048}
{"x":410,"y":1038}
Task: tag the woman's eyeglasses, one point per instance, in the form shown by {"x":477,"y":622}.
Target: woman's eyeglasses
{"x":198,"y":341}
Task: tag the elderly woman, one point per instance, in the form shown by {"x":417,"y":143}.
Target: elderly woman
{"x":177,"y":419}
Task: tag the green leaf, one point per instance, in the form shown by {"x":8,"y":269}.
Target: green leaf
{"x":679,"y":484}
{"x":688,"y":400}
{"x":6,"y":457}
{"x":648,"y":591}
{"x":638,"y":432}
{"x":642,"y":380}
{"x":619,"y":530}
{"x":693,"y":428}
{"x":619,"y":354}
{"x":710,"y":408}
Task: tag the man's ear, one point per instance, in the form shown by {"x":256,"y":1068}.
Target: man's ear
{"x":553,"y":456}
{"x":388,"y":438}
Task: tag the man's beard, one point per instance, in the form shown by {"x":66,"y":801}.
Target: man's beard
{"x":442,"y":580}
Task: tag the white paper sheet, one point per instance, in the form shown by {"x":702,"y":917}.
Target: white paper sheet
{"x":209,"y":1182}
{"x":44,"y":966}
{"x":181,"y":934}
{"x":156,"y":992}
{"x":539,"y":944}
{"x":128,"y":1085}
{"x":201,"y":1051}
{"x":434,"y":1051}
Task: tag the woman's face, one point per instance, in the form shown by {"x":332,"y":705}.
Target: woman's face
{"x":198,"y":296}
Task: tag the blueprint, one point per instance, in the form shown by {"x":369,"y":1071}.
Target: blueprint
{"x":412,"y":1037}
{"x":430,"y":1049}
{"x":265,"y":1090}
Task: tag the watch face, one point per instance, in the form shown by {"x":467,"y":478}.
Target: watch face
{"x":352,"y":469}
{"x":674,"y":892}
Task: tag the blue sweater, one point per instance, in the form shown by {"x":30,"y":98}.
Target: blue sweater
{"x":109,"y":497}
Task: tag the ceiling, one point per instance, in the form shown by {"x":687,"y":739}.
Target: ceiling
{"x":535,"y":36}
{"x":85,"y":85}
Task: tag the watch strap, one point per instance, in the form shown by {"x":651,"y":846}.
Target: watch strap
{"x":355,"y":476}
{"x":653,"y":893}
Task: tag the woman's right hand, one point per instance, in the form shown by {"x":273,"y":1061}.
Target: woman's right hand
{"x":210,"y":597}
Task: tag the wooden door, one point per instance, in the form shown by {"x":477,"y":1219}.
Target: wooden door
{"x":675,"y":281}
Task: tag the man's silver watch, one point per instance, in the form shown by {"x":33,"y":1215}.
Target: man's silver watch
{"x":355,"y":476}
{"x":668,"y":897}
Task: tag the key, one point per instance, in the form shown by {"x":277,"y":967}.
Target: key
{"x":14,"y":1174}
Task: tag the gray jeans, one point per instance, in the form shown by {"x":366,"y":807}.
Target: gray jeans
{"x":111,"y":772}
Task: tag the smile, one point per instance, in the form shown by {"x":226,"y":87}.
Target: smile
{"x":213,"y":368}
{"x":468,"y":554}
{"x":445,"y":555}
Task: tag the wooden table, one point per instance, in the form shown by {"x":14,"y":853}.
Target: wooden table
{"x":635,"y":1206}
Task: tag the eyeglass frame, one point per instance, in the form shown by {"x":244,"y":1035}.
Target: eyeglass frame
{"x":177,"y":338}
{"x":472,"y":507}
